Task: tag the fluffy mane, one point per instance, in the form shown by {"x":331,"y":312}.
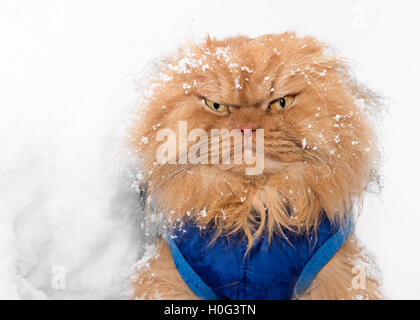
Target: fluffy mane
{"x":320,"y":154}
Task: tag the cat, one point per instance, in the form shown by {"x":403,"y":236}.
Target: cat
{"x":319,"y":148}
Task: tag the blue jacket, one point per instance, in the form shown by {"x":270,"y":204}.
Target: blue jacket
{"x":277,"y":270}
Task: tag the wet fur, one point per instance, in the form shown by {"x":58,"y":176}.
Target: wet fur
{"x":302,"y":182}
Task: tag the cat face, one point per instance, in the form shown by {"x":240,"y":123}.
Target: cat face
{"x":316,"y":137}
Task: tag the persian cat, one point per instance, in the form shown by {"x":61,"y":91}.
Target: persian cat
{"x":294,"y":98}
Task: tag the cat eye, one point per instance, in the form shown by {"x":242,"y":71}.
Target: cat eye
{"x":217,"y":107}
{"x":281,"y":103}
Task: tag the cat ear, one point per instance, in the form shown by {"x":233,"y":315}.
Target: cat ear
{"x":311,"y":46}
{"x":373,"y":102}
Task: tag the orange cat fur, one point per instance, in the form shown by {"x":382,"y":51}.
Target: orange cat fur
{"x":320,"y":152}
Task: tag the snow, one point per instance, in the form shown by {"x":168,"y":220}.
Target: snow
{"x":68,"y":79}
{"x":150,"y":252}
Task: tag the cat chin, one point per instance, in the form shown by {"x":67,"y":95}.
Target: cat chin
{"x":271,"y":166}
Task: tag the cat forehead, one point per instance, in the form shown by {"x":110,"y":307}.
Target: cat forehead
{"x":242,"y":54}
{"x":247,"y":70}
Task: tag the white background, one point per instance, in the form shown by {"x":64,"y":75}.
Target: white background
{"x":68,"y":72}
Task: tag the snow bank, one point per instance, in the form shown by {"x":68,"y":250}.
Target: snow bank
{"x":68,"y":215}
